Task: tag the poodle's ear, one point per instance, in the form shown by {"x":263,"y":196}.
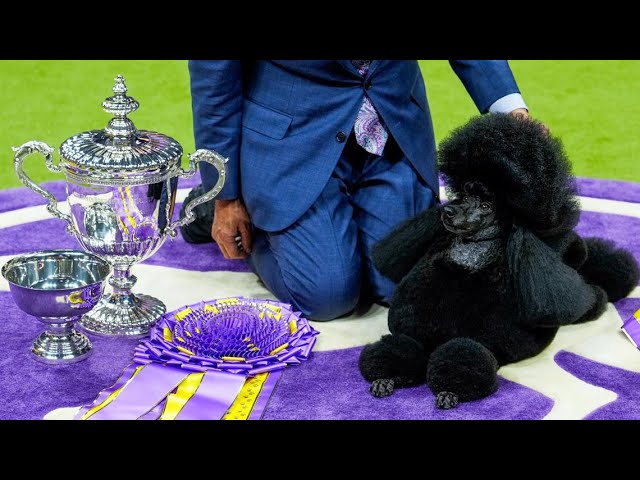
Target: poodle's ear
{"x":547,"y":291}
{"x":396,"y":254}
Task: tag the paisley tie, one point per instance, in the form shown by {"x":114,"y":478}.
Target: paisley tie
{"x":370,"y":132}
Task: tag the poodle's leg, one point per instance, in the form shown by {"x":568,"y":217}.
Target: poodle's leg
{"x":598,"y":307}
{"x":394,"y":361}
{"x":576,"y":252}
{"x":461,"y":370}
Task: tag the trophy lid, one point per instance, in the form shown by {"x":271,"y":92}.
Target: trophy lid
{"x":120,"y":154}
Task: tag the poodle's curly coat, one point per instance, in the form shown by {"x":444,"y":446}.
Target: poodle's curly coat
{"x":455,"y":317}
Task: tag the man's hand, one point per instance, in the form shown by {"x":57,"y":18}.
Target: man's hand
{"x":524,"y":113}
{"x":520,"y":112}
{"x":230,"y":220}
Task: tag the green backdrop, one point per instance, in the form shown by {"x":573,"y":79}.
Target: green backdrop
{"x":594,"y":106}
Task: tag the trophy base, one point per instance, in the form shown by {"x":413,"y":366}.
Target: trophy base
{"x":61,"y":349}
{"x":125,"y":316}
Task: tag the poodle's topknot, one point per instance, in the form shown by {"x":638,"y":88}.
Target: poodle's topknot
{"x":525,"y":167}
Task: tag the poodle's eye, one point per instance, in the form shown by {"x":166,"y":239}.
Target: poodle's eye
{"x":465,"y":198}
{"x":485,"y":206}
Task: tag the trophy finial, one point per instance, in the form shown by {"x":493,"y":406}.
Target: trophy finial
{"x":120,"y":105}
{"x":120,"y":86}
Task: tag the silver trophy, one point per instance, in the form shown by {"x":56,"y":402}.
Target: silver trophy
{"x":57,"y":287}
{"x":121,"y":189}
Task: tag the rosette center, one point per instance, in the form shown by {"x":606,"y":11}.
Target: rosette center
{"x":237,"y":331}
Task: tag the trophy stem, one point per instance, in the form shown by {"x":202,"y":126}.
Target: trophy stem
{"x":122,"y":280}
{"x":123,"y":313}
{"x":60,"y":344}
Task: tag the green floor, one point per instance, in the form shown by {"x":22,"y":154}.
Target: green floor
{"x":594,"y":106}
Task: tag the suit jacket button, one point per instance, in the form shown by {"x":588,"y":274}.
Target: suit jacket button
{"x":341,"y":137}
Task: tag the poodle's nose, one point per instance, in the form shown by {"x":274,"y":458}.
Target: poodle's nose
{"x":449,"y":211}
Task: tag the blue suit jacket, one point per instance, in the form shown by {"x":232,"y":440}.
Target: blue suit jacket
{"x":279,"y":122}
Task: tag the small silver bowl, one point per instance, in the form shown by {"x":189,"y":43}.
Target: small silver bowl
{"x":57,"y":287}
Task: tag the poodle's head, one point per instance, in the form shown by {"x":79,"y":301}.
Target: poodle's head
{"x":508,"y":167}
{"x":474,"y":214}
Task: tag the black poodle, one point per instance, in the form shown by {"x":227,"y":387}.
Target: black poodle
{"x":488,"y":279}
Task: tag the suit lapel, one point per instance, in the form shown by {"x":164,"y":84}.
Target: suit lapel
{"x":374,"y":66}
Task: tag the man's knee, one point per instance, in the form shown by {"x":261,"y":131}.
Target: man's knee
{"x":326,"y":298}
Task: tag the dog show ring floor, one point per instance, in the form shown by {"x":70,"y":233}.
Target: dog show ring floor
{"x":590,"y":371}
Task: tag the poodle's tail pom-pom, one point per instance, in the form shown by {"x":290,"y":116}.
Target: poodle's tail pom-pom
{"x":613,"y":269}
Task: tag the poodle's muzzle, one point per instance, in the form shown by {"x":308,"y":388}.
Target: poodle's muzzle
{"x":468,"y":216}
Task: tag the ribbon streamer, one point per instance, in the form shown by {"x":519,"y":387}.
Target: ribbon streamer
{"x":219,"y":359}
{"x":631,"y":328}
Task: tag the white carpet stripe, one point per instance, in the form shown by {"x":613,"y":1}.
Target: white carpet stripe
{"x":182,"y":287}
{"x":635,"y":293}
{"x":26,"y":215}
{"x":64,"y":413}
{"x":616,"y":207}
{"x":181,"y":194}
{"x":601,"y":341}
{"x":39,"y":212}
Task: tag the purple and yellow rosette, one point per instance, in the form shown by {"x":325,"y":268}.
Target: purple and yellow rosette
{"x":217,"y":360}
{"x":631,"y":328}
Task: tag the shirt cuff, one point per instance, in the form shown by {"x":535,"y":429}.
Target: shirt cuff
{"x":508,"y":103}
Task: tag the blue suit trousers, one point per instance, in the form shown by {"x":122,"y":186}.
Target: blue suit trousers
{"x":322,"y":264}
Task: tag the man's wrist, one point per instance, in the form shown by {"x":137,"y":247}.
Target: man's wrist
{"x":508,"y":103}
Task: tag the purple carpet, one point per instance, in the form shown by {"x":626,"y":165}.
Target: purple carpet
{"x":328,"y":386}
{"x":622,"y":382}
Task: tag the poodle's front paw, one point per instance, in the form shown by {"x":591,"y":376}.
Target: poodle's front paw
{"x":446,"y":400}
{"x":382,"y":387}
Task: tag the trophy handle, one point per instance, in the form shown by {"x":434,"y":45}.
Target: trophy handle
{"x":200,"y":155}
{"x":21,"y":153}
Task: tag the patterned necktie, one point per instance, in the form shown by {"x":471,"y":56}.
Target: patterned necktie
{"x":370,"y":132}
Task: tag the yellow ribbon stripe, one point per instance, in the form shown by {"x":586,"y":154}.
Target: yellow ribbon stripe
{"x":183,"y":313}
{"x":279,"y":349}
{"x":232,"y":359}
{"x":210,"y":308}
{"x":177,"y":401}
{"x":111,"y":397}
{"x":166,"y":333}
{"x":637,"y":315}
{"x":228,"y":301}
{"x":242,"y":406}
{"x":184,"y":350}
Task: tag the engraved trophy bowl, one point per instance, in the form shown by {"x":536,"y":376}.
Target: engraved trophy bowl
{"x":57,"y":287}
{"x":121,"y":190}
